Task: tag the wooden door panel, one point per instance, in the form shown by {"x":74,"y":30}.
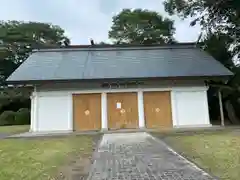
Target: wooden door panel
{"x":157,"y":109}
{"x":87,"y":111}
{"x":125,"y":115}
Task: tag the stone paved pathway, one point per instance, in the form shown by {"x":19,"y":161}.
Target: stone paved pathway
{"x":138,"y":156}
{"x":3,"y":135}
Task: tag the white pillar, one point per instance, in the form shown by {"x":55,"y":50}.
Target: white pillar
{"x":104,"y":111}
{"x":174,"y":109}
{"x":32,"y":114}
{"x":35,"y":110}
{"x":141,"y":110}
{"x":70,"y":120}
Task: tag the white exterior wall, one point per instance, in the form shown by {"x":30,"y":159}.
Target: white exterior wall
{"x":52,"y":107}
{"x":190,"y":108}
{"x":53,"y":112}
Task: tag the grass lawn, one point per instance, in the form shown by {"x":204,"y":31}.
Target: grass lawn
{"x":217,"y":153}
{"x":14,"y":129}
{"x":39,"y":159}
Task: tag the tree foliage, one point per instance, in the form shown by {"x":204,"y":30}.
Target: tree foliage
{"x":17,"y":39}
{"x":141,"y":27}
{"x":218,"y":16}
{"x":217,"y":45}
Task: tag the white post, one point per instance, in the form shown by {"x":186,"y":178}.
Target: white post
{"x":104,"y":112}
{"x":35,"y":110}
{"x":70,"y":120}
{"x":221,"y":107}
{"x":32,"y":114}
{"x":141,"y":110}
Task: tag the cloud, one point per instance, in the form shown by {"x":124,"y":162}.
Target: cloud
{"x":83,"y":20}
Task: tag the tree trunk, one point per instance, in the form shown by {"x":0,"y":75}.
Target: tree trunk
{"x":231,"y":113}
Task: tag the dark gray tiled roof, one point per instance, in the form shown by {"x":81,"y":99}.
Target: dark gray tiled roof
{"x":128,"y":62}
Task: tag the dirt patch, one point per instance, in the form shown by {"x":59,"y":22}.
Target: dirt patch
{"x":78,"y":168}
{"x":78,"y":165}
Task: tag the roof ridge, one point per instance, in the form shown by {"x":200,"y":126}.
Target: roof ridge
{"x":118,"y":47}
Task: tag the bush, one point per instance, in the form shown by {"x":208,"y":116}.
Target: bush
{"x":12,"y":99}
{"x":22,"y":117}
{"x":7,"y":118}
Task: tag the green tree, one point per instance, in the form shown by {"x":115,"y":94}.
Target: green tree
{"x":102,"y":43}
{"x":141,"y":27}
{"x":17,"y":39}
{"x":217,"y":45}
{"x":218,"y":16}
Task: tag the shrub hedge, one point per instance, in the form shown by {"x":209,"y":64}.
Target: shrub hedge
{"x":21,"y":117}
{"x":7,"y":118}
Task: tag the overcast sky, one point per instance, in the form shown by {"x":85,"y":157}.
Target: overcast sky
{"x":85,"y":19}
